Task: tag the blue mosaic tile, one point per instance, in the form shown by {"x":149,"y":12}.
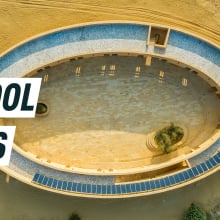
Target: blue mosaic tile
{"x":40,"y":179}
{"x":218,"y":154}
{"x":71,"y":35}
{"x":29,"y":167}
{"x":109,"y":189}
{"x":84,"y":188}
{"x":195,"y":171}
{"x":133,"y":187}
{"x":114,"y":189}
{"x":54,"y":184}
{"x":143,"y":186}
{"x":177,"y":178}
{"x":172,"y":180}
{"x":36,"y":176}
{"x":195,"y":45}
{"x":147,"y":184}
{"x":79,"y":187}
{"x":181,"y":177}
{"x":104,"y":189}
{"x":118,"y":189}
{"x":128,"y":188}
{"x":205,"y":155}
{"x":99,"y":189}
{"x":45,"y":180}
{"x":49,"y":182}
{"x":64,"y":186}
{"x":89,"y":188}
{"x":59,"y":184}
{"x":217,"y":158}
{"x":190,"y":173}
{"x":213,"y":162}
{"x":74,"y":187}
{"x":204,"y":167}
{"x":152,"y":185}
{"x":157,"y":184}
{"x":167,"y":181}
{"x":186,"y":175}
{"x":162,"y":183}
{"x":69,"y":186}
{"x":138,"y":187}
{"x":123,"y":189}
{"x":199,"y":168}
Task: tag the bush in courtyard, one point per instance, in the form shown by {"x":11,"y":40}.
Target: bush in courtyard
{"x":74,"y":216}
{"x":168,"y":136}
{"x":195,"y":213}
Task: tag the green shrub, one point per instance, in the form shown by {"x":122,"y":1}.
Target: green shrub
{"x":74,"y":216}
{"x":195,"y":213}
{"x":168,"y":136}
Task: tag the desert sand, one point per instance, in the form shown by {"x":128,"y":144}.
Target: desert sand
{"x":21,"y":19}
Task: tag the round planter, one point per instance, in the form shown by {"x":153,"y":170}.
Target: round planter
{"x":152,"y":145}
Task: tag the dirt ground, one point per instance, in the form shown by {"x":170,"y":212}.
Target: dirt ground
{"x":19,"y":201}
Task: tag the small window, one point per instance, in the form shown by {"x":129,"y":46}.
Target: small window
{"x":184,"y":82}
{"x":112,"y":70}
{"x":138,"y":69}
{"x":112,"y":67}
{"x":45,"y":78}
{"x":161,"y":74}
{"x":78,"y":70}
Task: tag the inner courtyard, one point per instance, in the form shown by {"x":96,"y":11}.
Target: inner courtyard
{"x":101,"y":109}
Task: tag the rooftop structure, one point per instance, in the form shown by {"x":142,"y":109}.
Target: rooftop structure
{"x":105,"y":67}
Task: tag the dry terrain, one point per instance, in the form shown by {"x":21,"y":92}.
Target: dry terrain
{"x":20,"y":19}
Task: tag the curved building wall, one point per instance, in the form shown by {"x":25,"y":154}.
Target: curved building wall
{"x":97,"y":38}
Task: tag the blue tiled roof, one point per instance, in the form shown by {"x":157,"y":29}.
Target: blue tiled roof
{"x":195,"y":45}
{"x":92,"y":32}
{"x":128,"y":188}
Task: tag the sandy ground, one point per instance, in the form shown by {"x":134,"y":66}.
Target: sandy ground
{"x":20,"y":19}
{"x":22,"y":202}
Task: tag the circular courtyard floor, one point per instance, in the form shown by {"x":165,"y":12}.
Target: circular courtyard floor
{"x":102,"y":108}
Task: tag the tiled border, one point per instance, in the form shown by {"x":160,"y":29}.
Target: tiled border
{"x":112,"y":37}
